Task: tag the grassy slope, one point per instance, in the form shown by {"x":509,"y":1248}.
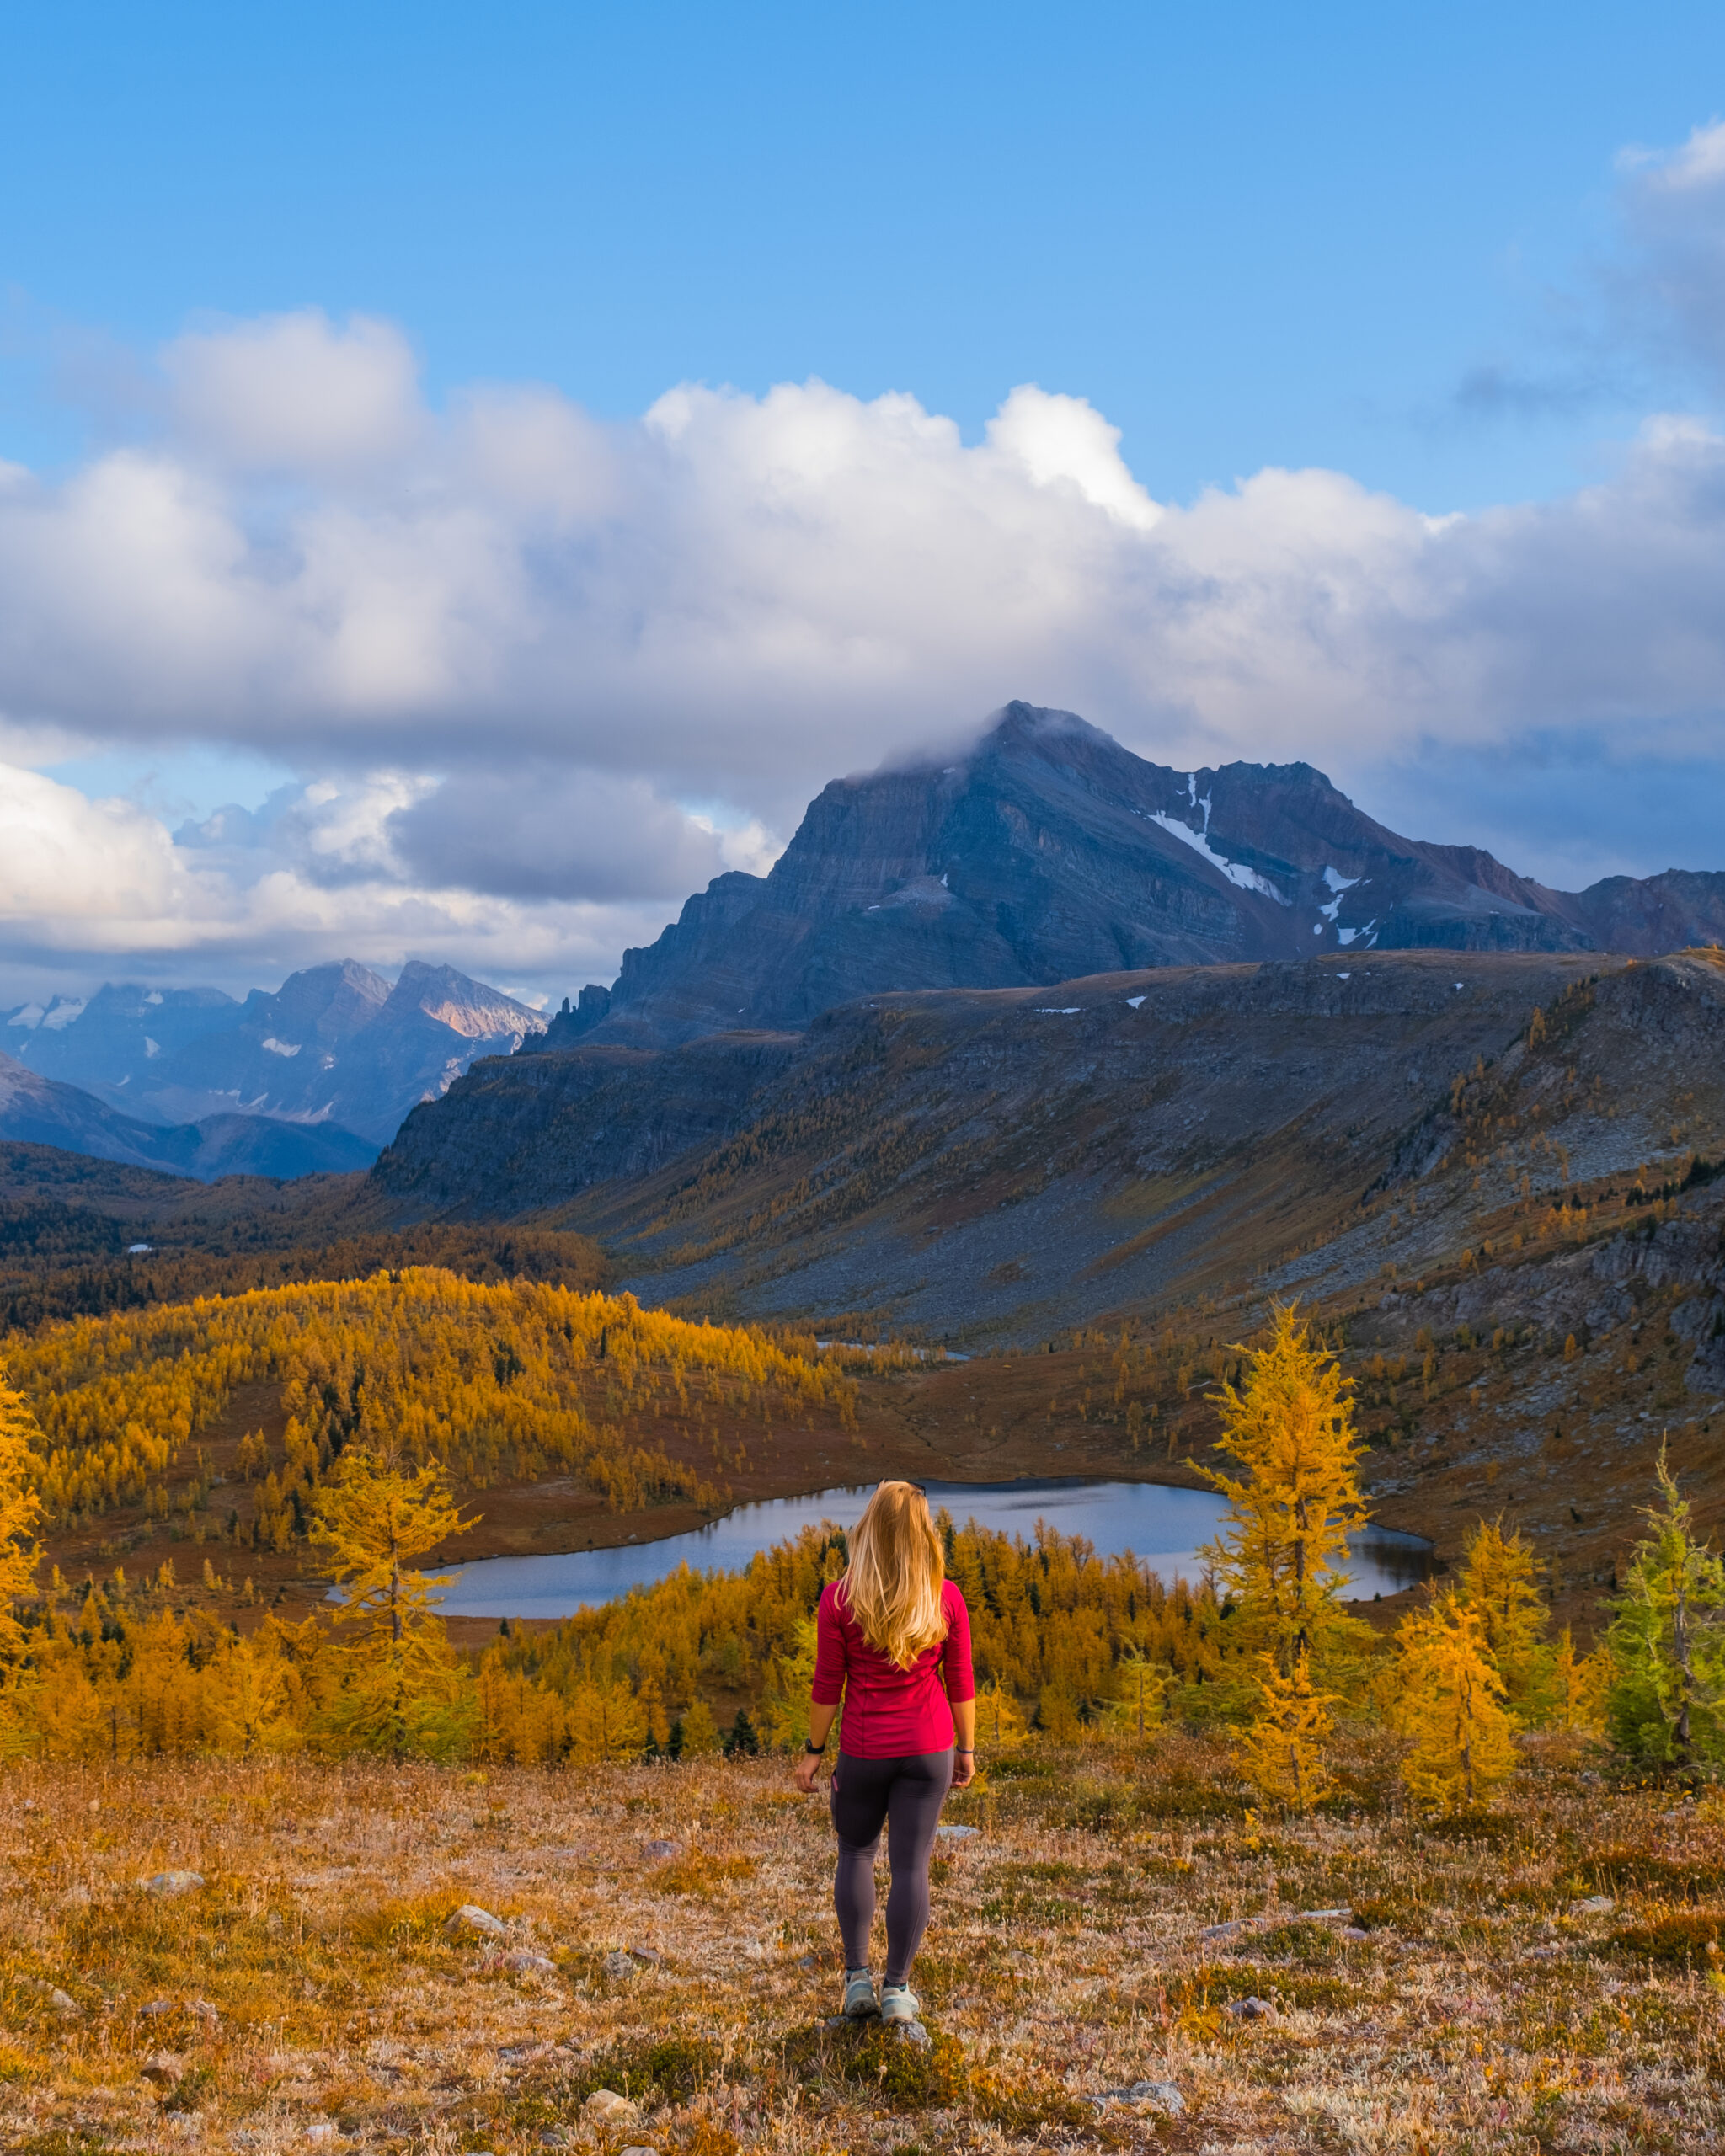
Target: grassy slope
{"x":309,"y":1984}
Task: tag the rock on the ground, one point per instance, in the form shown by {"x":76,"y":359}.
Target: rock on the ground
{"x":470,"y":1919}
{"x":1596,"y":1905}
{"x":912,"y":2032}
{"x":605,"y":2104}
{"x":1251,"y":2009}
{"x":521,"y":1962}
{"x":662,"y":1852}
{"x":649,"y":1957}
{"x":1162,"y":2094}
{"x":958,"y":1833}
{"x":167,"y":1883}
{"x":162,"y":2067}
{"x":619,"y":1966}
{"x":61,"y":2002}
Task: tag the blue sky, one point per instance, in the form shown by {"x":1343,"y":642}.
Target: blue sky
{"x":1251,"y":235}
{"x":1416,"y":249}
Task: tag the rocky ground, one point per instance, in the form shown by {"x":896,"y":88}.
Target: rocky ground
{"x":267,"y":1957}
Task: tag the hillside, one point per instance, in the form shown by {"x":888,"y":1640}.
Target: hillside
{"x":985,"y":1166}
{"x":40,"y":1111}
{"x":1049,"y":852}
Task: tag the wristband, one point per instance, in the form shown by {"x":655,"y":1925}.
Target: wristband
{"x":815,"y":1751}
{"x":969,"y":1750}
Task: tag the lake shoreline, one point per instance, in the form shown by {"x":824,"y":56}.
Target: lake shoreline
{"x":1164,"y":1524}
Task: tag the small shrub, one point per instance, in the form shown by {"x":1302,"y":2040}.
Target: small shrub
{"x":1685,"y":1939}
{"x":699,"y":1872}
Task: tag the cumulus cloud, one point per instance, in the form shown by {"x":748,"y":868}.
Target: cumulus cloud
{"x":540,"y":832}
{"x":542,"y":674}
{"x":292,"y":393}
{"x":736,"y":595}
{"x":93,"y":886}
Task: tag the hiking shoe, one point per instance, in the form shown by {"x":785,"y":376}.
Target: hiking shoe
{"x":860,"y":2005}
{"x":899,"y":2002}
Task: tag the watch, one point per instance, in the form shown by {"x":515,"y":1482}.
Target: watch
{"x":815,"y":1751}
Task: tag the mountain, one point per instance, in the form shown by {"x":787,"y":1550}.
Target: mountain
{"x":39,"y":1111}
{"x":1050,"y":852}
{"x":335,"y":1044}
{"x":988,"y":1166}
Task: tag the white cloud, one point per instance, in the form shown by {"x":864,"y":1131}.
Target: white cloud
{"x":291,"y":392}
{"x":737,"y":596}
{"x":502,"y":641}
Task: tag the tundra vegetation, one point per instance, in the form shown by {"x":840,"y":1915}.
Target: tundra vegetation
{"x":1246,"y":1872}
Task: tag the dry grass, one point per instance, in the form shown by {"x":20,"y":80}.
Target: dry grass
{"x":308,"y":1994}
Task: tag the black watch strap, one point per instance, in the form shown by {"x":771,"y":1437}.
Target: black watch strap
{"x":815,"y":1751}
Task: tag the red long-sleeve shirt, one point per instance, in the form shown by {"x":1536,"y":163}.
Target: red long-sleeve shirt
{"x":891,"y":1713}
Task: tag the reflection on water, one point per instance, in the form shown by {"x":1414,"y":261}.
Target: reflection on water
{"x":1162,"y":1525}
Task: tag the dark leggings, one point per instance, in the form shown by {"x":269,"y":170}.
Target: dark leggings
{"x":907,"y":1794}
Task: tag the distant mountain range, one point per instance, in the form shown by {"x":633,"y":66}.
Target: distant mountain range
{"x":334,"y":1048}
{"x":37,"y":1110}
{"x":1049,"y":852}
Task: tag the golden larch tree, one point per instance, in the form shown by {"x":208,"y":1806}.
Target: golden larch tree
{"x":1499,"y":1579}
{"x":1282,"y":1550}
{"x":1450,"y":1705}
{"x":19,"y":1512}
{"x":1281,"y":1753}
{"x":402,"y":1685}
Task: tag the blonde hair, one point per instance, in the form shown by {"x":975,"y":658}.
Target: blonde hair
{"x":892,"y":1586}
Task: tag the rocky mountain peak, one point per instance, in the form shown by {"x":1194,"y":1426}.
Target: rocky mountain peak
{"x":1047,"y":851}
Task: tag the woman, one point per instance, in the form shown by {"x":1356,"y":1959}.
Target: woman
{"x":893,"y":1637}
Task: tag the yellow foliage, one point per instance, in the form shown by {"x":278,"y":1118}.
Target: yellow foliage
{"x":1498,"y":1580}
{"x":1451,"y":1707}
{"x":1135,"y":1712}
{"x":401,"y":1680}
{"x":1000,"y":1726}
{"x":20,"y":1509}
{"x":1281,"y":1755}
{"x":501,"y":1381}
{"x":1580,"y":1683}
{"x":1282,"y":1552}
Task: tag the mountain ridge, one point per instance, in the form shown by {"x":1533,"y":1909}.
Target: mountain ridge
{"x":336,"y":1045}
{"x":1049,"y":852}
{"x":39,"y":1111}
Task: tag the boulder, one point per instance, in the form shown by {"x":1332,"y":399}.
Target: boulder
{"x":522,"y":1961}
{"x":471,"y":1921}
{"x":1161,"y":2095}
{"x":620,"y":1967}
{"x":162,"y":2067}
{"x":605,"y":2107}
{"x":167,"y":1884}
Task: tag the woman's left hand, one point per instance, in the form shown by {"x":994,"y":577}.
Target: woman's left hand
{"x":808,"y":1768}
{"x":964,"y":1769}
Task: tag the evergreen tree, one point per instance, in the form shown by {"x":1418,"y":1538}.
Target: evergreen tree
{"x":1135,"y":1710}
{"x":741,"y":1741}
{"x":404,"y":1686}
{"x":700,"y":1732}
{"x":1281,"y":1755}
{"x":785,"y":1708}
{"x":1667,"y":1641}
{"x":1580,"y":1686}
{"x":1451,"y":1704}
{"x":1281,"y":1554}
{"x":999,"y":1725}
{"x":1499,"y":1580}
